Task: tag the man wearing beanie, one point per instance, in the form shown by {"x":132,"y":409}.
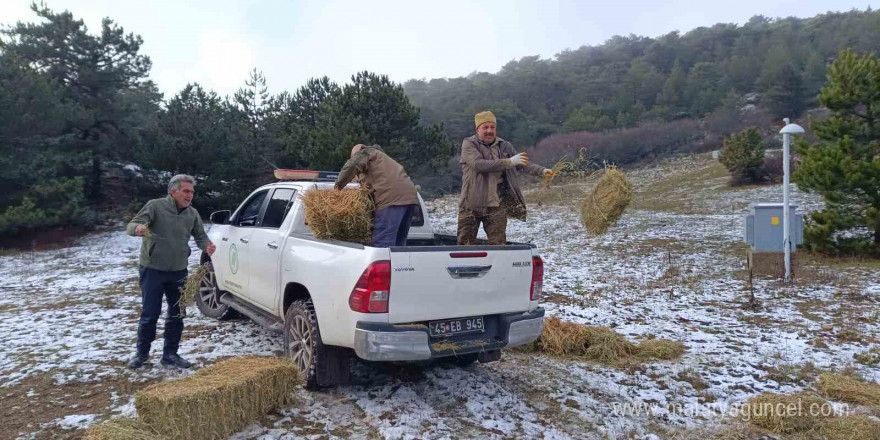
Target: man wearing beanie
{"x":490,"y":193}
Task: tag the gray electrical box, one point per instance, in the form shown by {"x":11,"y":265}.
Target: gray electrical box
{"x":763,"y":230}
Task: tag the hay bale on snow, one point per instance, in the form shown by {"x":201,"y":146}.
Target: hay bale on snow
{"x":344,"y":215}
{"x":122,"y":429}
{"x":610,"y":197}
{"x":220,"y":400}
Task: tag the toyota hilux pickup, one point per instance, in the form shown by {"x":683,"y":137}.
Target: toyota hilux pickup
{"x":334,"y":299}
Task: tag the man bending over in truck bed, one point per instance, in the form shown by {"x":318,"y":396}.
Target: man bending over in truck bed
{"x":393,"y":192}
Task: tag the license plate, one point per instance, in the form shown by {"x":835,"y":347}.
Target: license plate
{"x":458,"y":326}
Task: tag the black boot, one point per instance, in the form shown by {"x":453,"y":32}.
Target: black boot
{"x":138,"y":360}
{"x":175,"y":360}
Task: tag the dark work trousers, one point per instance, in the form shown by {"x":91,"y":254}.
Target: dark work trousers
{"x":391,"y":225}
{"x":154,"y":283}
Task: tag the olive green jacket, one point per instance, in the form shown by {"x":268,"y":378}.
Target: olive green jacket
{"x":167,"y":248}
{"x":387,"y":179}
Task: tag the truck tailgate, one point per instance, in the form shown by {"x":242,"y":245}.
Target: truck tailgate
{"x":436,"y":282}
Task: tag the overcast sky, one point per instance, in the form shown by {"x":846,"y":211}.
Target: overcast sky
{"x":216,"y":42}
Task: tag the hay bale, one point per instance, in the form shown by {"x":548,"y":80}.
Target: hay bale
{"x":859,"y":427}
{"x":660,"y":349}
{"x":610,"y":197}
{"x":220,"y":400}
{"x":344,"y":215}
{"x":849,"y":389}
{"x":123,"y":429}
{"x":785,"y":414}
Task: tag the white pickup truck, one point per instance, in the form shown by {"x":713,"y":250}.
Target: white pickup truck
{"x":428,"y":299}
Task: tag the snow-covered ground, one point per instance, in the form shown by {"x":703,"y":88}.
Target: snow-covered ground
{"x":673,"y":267}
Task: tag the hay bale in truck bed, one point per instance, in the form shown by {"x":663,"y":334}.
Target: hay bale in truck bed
{"x":344,"y":215}
{"x":220,"y":400}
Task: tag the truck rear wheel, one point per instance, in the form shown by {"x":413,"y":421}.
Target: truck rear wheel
{"x":320,"y":365}
{"x":208,"y":298}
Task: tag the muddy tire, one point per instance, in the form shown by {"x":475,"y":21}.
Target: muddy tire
{"x":320,"y":365}
{"x":302,"y":341}
{"x":208,"y":298}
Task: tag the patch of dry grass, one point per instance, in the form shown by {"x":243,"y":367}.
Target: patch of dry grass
{"x":660,"y":349}
{"x":785,"y":413}
{"x":674,"y":191}
{"x":869,"y":357}
{"x":848,"y":388}
{"x":805,"y":416}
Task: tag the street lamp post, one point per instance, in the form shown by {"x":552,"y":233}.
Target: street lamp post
{"x":787,"y":131}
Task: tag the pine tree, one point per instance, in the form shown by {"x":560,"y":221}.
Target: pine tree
{"x":844,"y":165}
{"x":743,"y":156}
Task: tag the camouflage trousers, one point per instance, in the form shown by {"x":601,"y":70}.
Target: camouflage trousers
{"x":494,"y":222}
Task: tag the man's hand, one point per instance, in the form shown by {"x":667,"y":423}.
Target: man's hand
{"x":210,"y":248}
{"x":520,"y":159}
{"x":549,"y":174}
{"x":141,"y":230}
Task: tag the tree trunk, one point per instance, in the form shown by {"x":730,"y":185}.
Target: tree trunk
{"x":93,"y":191}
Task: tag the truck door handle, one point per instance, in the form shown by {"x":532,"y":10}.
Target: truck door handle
{"x":243,"y":240}
{"x":272,"y":245}
{"x":459,"y":272}
{"x":225,"y":238}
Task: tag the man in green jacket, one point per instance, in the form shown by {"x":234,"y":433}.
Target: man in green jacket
{"x":166,"y":225}
{"x":490,"y":193}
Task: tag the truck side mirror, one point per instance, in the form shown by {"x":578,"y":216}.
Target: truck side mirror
{"x":220,"y":217}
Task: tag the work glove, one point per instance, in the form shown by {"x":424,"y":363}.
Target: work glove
{"x":519,"y":160}
{"x":549,"y":174}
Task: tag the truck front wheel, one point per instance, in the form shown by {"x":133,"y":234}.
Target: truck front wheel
{"x":208,"y":298}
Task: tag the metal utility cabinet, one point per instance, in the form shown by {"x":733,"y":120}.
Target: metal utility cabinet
{"x":763,"y":228}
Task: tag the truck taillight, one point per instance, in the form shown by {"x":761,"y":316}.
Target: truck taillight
{"x":370,"y":294}
{"x":537,"y":279}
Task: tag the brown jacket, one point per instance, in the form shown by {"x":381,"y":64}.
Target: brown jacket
{"x":383,"y":175}
{"x":476,"y":166}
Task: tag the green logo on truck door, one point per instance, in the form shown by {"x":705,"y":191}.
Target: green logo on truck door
{"x":233,"y":258}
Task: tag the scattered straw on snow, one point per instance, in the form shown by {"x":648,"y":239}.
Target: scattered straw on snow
{"x":601,"y":344}
{"x":785,"y":414}
{"x":849,"y":389}
{"x":858,"y":427}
